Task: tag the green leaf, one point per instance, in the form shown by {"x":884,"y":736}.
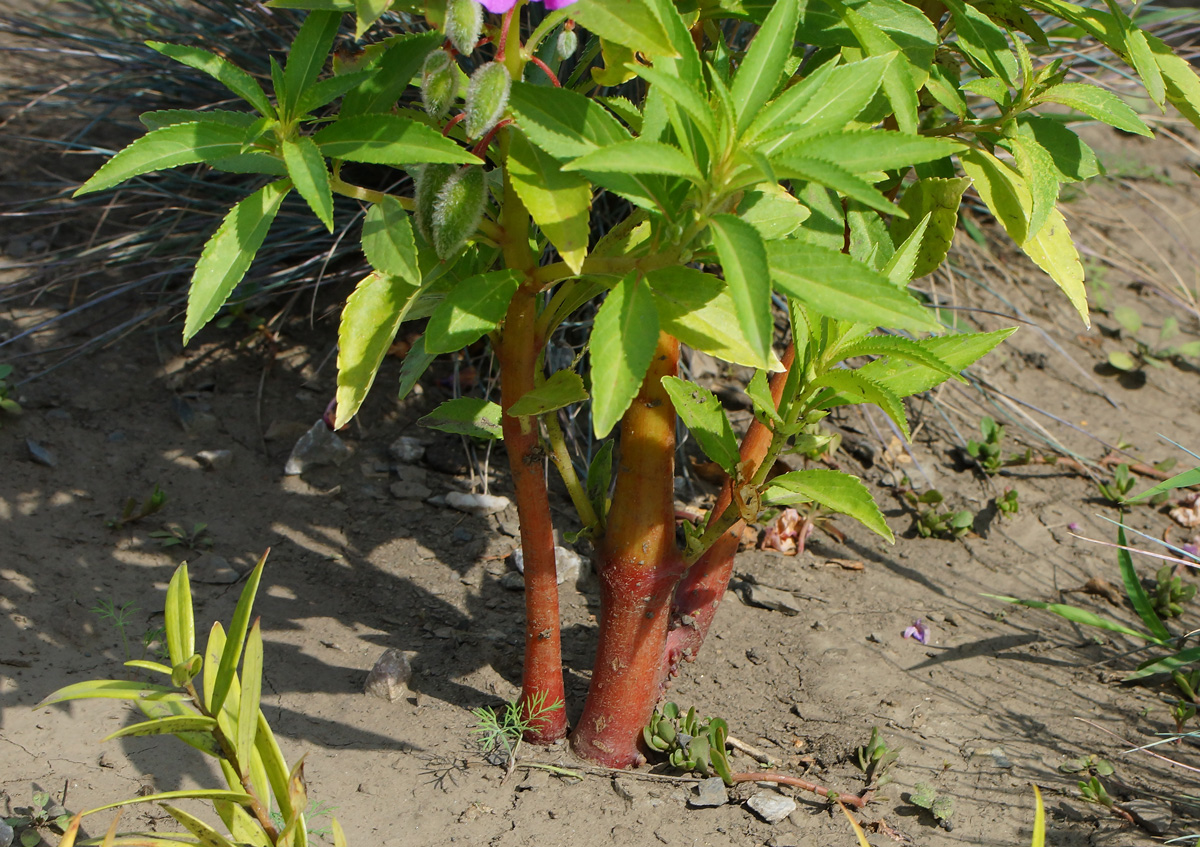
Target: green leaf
{"x":220,"y":69}
{"x":638,"y":157}
{"x":473,"y":308}
{"x":1137,"y":594}
{"x":744,"y":265}
{"x":1097,"y":103}
{"x":1179,"y":78}
{"x":471,"y":416}
{"x":940,"y":199}
{"x":1073,"y":160}
{"x":166,"y":726}
{"x":366,"y":12}
{"x":901,"y":266}
{"x":1178,"y":661}
{"x":231,"y":653}
{"x":207,"y":836}
{"x":327,"y":90}
{"x":836,"y":491}
{"x":958,"y":351}
{"x":307,"y":57}
{"x":1037,"y":168}
{"x":389,"y":140}
{"x":682,"y":94}
{"x":1182,"y":480}
{"x":388,"y":241}
{"x":239,"y":797}
{"x":703,"y":415}
{"x":1002,"y":190}
{"x":836,"y":177}
{"x":759,"y":392}
{"x":828,"y":99}
{"x":834,"y":284}
{"x":111,"y":689}
{"x":1053,"y":250}
{"x":624,"y":336}
{"x":559,"y":202}
{"x":369,"y":324}
{"x":698,"y":309}
{"x":599,"y":475}
{"x":772,"y":211}
{"x":869,"y":151}
{"x":897,"y":347}
{"x":632,"y":23}
{"x":761,"y":70}
{"x":1080,"y":616}
{"x":397,"y":65}
{"x":983,"y":41}
{"x":178,"y":620}
{"x":170,"y":117}
{"x":565,"y":124}
{"x":415,"y":364}
{"x":228,"y":254}
{"x":274,"y":766}
{"x":559,"y":391}
{"x":247,"y":725}
{"x":306,"y":167}
{"x":169,"y":147}
{"x":845,"y":383}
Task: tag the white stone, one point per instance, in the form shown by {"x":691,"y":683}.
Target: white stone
{"x":771,"y":807}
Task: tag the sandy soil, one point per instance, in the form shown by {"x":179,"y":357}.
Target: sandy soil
{"x":998,"y":699}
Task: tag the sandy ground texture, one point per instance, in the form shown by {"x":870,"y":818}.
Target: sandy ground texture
{"x":998,"y":699}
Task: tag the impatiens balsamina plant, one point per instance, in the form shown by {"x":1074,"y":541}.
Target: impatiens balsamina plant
{"x":810,"y":154}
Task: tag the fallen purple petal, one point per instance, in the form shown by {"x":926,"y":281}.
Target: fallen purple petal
{"x":918,"y":631}
{"x":1074,"y":527}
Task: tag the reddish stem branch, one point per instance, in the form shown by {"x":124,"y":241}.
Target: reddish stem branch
{"x":546,"y":69}
{"x":795,"y":781}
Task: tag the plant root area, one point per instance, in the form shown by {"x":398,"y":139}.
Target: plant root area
{"x":999,"y":698}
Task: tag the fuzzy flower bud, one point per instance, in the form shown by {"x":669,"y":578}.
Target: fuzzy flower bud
{"x":464,"y":22}
{"x":458,"y":210}
{"x":439,"y":83}
{"x":429,"y":180}
{"x":487,"y":96}
{"x":568,"y":43}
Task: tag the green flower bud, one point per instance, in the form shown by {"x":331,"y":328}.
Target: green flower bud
{"x":568,"y":43}
{"x":464,"y":22}
{"x":428,"y":180}
{"x":487,"y":97}
{"x":458,"y":210}
{"x":439,"y":83}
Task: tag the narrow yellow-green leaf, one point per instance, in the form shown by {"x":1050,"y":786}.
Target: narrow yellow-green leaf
{"x":208,"y":836}
{"x":306,"y":167}
{"x":274,"y":765}
{"x":388,"y":242}
{"x":231,"y":652}
{"x":179,"y":622}
{"x":252,"y":665}
{"x":339,"y":837}
{"x":243,"y":827}
{"x":999,"y":185}
{"x":1039,"y":820}
{"x":214,"y":651}
{"x":239,"y":797}
{"x":1053,"y":250}
{"x":760,"y":71}
{"x":228,"y":254}
{"x":744,"y":265}
{"x":68,"y":839}
{"x":1143,"y":62}
{"x":164,"y":726}
{"x":222,"y":70}
{"x":142,"y":664}
{"x":558,"y":201}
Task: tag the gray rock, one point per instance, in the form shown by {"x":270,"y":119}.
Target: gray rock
{"x":1150,"y":815}
{"x":410,"y":473}
{"x":319,"y":446}
{"x":40,"y":454}
{"x":407,"y":449}
{"x":769,"y":598}
{"x":771,"y":807}
{"x":512,"y":581}
{"x":388,"y":680}
{"x":567,"y":563}
{"x":1000,"y":759}
{"x":477,"y":504}
{"x":214,"y":459}
{"x":409,"y":491}
{"x":709,"y":792}
{"x":213,"y":570}
{"x":6,"y":834}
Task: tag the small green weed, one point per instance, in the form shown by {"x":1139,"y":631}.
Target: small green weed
{"x":1116,"y":491}
{"x":1090,"y":765}
{"x":933,"y":522}
{"x":876,"y":758}
{"x":690,"y":744}
{"x":132,"y":512}
{"x":926,"y":796}
{"x":32,"y":823}
{"x":986,"y":452}
{"x":1006,"y":503}
{"x":1170,"y":593}
{"x":500,"y":733}
{"x":153,"y":640}
{"x":1143,"y":353}
{"x":175,"y":535}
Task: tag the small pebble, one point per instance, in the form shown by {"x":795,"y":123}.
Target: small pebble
{"x":407,"y":449}
{"x":709,"y":792}
{"x":1150,"y":815}
{"x":40,"y":454}
{"x":214,"y":459}
{"x":6,"y":834}
{"x":771,"y":807}
{"x":512,"y":581}
{"x":388,"y":680}
{"x":477,"y":504}
{"x":567,"y":563}
{"x":319,"y":446}
{"x":769,"y":598}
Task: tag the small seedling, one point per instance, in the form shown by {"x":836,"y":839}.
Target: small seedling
{"x":938,"y":523}
{"x":1143,"y":354}
{"x":875,"y":759}
{"x":31,"y":823}
{"x":500,"y":733}
{"x":1181,"y":713}
{"x":1092,"y":791}
{"x":1007,"y":503}
{"x":175,"y":535}
{"x":986,"y":453}
{"x":1123,"y":483}
{"x":1170,"y":593}
{"x":118,"y":616}
{"x":7,"y":403}
{"x":1091,"y":765}
{"x":689,"y":744}
{"x":926,"y":796}
{"x":313,"y":811}
{"x":132,"y":512}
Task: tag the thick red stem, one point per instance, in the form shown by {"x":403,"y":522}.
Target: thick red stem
{"x":639,"y":566}
{"x":702,"y":588}
{"x":542,"y":679}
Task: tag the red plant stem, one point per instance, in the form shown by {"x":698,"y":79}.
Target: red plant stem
{"x":639,"y":566}
{"x":546,"y":69}
{"x":519,"y":346}
{"x":485,"y":142}
{"x":703,"y":587}
{"x":505,"y":22}
{"x":454,"y":120}
{"x":783,"y":779}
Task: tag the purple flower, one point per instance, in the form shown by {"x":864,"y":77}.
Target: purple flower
{"x":499,"y":7}
{"x":918,"y":631}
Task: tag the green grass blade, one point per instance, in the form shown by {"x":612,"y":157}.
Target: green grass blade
{"x":1137,"y":594}
{"x":208,"y":836}
{"x":247,"y":728}
{"x":113,"y":689}
{"x":1039,"y":820}
{"x":1081,"y":616}
{"x":180,"y":625}
{"x":1166,"y":665}
{"x":231,"y":652}
{"x":166,"y":726}
{"x":239,"y":797}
